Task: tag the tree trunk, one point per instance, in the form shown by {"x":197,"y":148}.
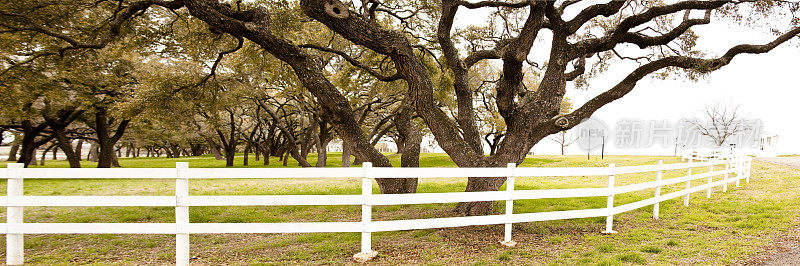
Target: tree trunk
{"x":176,"y":151}
{"x":322,"y":153}
{"x":409,"y":155}
{"x":115,"y":160}
{"x":266,"y":153}
{"x":29,"y":142}
{"x":479,"y":184}
{"x":33,"y":157}
{"x":230,"y":154}
{"x":12,"y":154}
{"x":79,"y":150}
{"x":44,"y":153}
{"x":93,"y":152}
{"x":345,"y":155}
{"x":66,"y":146}
{"x":106,"y":157}
{"x":257,"y":153}
{"x":247,"y":154}
{"x":28,"y":151}
{"x":214,"y":148}
{"x":286,"y":157}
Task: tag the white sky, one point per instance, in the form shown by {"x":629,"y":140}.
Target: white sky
{"x":764,"y":85}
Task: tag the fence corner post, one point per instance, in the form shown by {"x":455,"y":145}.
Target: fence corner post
{"x":15,"y":244}
{"x":659,"y":176}
{"x":182,"y":256}
{"x":610,"y":203}
{"x":688,"y":183}
{"x":366,"y":253}
{"x":509,"y":206}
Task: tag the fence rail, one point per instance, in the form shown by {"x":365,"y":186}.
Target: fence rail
{"x":15,"y":201}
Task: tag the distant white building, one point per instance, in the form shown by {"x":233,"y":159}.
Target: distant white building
{"x":767,"y":146}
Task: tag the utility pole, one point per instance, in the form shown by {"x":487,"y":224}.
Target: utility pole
{"x":603,"y":148}
{"x":589,"y":150}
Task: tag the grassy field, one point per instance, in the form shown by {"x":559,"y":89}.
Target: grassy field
{"x":729,"y":228}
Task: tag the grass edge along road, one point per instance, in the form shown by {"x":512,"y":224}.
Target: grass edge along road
{"x":729,"y":228}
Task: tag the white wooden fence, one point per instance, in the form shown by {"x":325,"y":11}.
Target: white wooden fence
{"x":15,"y":200}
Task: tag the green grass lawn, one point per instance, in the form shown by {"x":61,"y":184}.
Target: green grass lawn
{"x":728,"y":228}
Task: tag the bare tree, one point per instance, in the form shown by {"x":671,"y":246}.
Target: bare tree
{"x":563,"y":138}
{"x":720,"y":122}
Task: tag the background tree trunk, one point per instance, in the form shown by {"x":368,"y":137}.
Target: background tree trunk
{"x":107,"y":158}
{"x":79,"y":149}
{"x":215,"y":149}
{"x":12,"y":153}
{"x":44,"y":153}
{"x":247,"y":154}
{"x":409,"y":157}
{"x":66,"y":146}
{"x":266,"y":153}
{"x":94,"y":151}
{"x":345,"y":155}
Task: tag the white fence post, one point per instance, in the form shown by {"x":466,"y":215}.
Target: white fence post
{"x":738,"y":167}
{"x":181,"y":215}
{"x":727,"y":168}
{"x":748,"y":168}
{"x":610,"y":203}
{"x":656,"y":205}
{"x":688,"y":183}
{"x":366,"y":253}
{"x":509,"y":205}
{"x":14,"y":242}
{"x":710,"y":180}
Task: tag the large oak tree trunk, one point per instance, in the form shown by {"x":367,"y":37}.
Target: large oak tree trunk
{"x":479,"y":184}
{"x":28,"y":151}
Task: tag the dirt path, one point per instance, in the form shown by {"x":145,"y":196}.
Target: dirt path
{"x":788,"y":161}
{"x":792,"y":257}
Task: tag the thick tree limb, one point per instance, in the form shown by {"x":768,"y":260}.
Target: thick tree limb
{"x":466,"y":111}
{"x":254,"y":25}
{"x":354,"y":62}
{"x":620,"y":34}
{"x":685,"y":62}
{"x":364,"y":32}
